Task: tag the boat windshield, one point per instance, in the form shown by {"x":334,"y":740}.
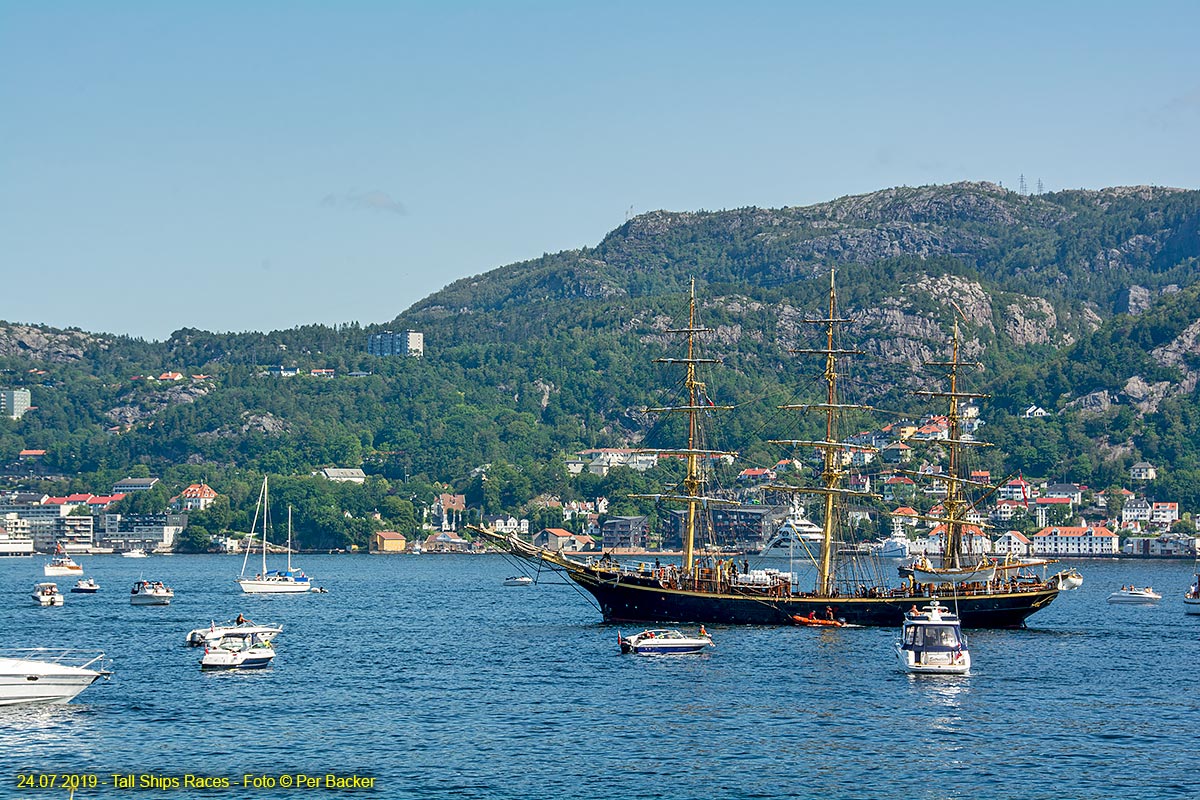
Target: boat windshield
{"x":932,"y":637}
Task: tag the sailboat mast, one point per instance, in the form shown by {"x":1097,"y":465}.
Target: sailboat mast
{"x":289,"y":547}
{"x":832,"y":469}
{"x":955,"y":505}
{"x":691,"y":481}
{"x":266,"y":513}
{"x":831,"y":474}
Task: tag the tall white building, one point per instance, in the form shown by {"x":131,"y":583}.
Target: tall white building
{"x":14,"y":403}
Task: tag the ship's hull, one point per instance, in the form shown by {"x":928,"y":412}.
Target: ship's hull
{"x":622,"y":601}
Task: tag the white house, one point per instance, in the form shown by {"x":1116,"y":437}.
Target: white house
{"x":1013,"y":543}
{"x":1143,"y":471}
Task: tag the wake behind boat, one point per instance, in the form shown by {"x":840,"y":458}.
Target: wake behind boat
{"x":286,"y":581}
{"x":43,"y":675}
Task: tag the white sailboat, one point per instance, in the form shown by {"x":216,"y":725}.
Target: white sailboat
{"x":287,"y":581}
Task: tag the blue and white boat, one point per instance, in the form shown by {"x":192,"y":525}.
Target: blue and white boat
{"x":664,"y":641}
{"x":238,"y":650}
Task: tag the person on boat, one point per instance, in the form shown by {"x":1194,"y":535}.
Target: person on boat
{"x":703,"y":633}
{"x":829,"y":613}
{"x":812,"y":614}
{"x":242,"y":620}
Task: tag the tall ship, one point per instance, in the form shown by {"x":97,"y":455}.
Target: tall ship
{"x":847,"y":584}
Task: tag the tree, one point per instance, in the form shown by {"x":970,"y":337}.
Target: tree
{"x":193,"y":539}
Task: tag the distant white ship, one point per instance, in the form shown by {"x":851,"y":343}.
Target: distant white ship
{"x":796,"y":536}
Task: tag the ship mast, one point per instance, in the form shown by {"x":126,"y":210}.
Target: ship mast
{"x":832,"y":471}
{"x":956,"y":504}
{"x":696,"y":404}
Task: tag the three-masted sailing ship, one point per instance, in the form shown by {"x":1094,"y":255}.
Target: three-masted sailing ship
{"x":715,"y":591}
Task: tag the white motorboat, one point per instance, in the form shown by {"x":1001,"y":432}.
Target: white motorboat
{"x":47,"y":594}
{"x":44,"y":675}
{"x":286,"y":581}
{"x":932,"y":642}
{"x":62,"y":564}
{"x":150,"y":593}
{"x":214,"y":632}
{"x":518,"y":580}
{"x":137,"y":552}
{"x":664,"y":641}
{"x":85,"y":586}
{"x":237,"y":650}
{"x":1134,"y":595}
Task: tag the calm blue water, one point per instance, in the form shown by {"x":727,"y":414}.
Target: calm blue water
{"x":427,"y":674}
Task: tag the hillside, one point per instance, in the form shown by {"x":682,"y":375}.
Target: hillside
{"x":1083,"y":302}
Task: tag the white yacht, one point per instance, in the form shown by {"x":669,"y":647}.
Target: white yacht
{"x":796,"y":536}
{"x":894,"y":546}
{"x":237,"y":650}
{"x":43,"y":675}
{"x":62,"y":564}
{"x":47,"y":594}
{"x":287,"y":581}
{"x":150,"y":593}
{"x":136,"y":552}
{"x":932,"y":642}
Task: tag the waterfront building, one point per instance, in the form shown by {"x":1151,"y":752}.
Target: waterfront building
{"x":1079,"y":541}
{"x":388,"y":542}
{"x":625,"y":533}
{"x":1013,"y":543}
{"x":563,"y":541}
{"x":141,"y":531}
{"x":1167,"y":545}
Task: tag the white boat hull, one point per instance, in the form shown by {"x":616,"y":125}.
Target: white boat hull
{"x":257,"y":658}
{"x":947,"y":663}
{"x":1191,"y":605}
{"x":259,"y":586}
{"x":214,"y":633}
{"x":1134,"y":598}
{"x":26,"y":681}
{"x":58,"y":572}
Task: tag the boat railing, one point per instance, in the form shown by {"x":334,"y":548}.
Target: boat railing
{"x":66,"y":656}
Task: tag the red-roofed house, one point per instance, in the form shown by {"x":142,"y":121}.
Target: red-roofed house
{"x":1045,"y":506}
{"x":1074,"y":541}
{"x":171,"y":376}
{"x":563,"y":540}
{"x":196,"y":497}
{"x":756,"y":475}
{"x":31,"y":455}
{"x":1164,"y":513}
{"x":388,"y":542}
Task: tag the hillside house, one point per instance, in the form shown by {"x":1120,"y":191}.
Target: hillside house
{"x":1143,"y":471}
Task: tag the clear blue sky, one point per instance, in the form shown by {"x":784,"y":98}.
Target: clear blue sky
{"x":258,"y":165}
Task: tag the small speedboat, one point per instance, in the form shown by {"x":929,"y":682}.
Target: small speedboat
{"x":62,"y":564}
{"x":42,"y":675}
{"x":237,"y":650}
{"x":664,"y":641}
{"x":932,"y":642}
{"x":214,"y":632}
{"x":85,"y":586}
{"x":1134,"y":595}
{"x":47,"y":594}
{"x":137,"y":552}
{"x":150,"y":593}
{"x":518,"y":580}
